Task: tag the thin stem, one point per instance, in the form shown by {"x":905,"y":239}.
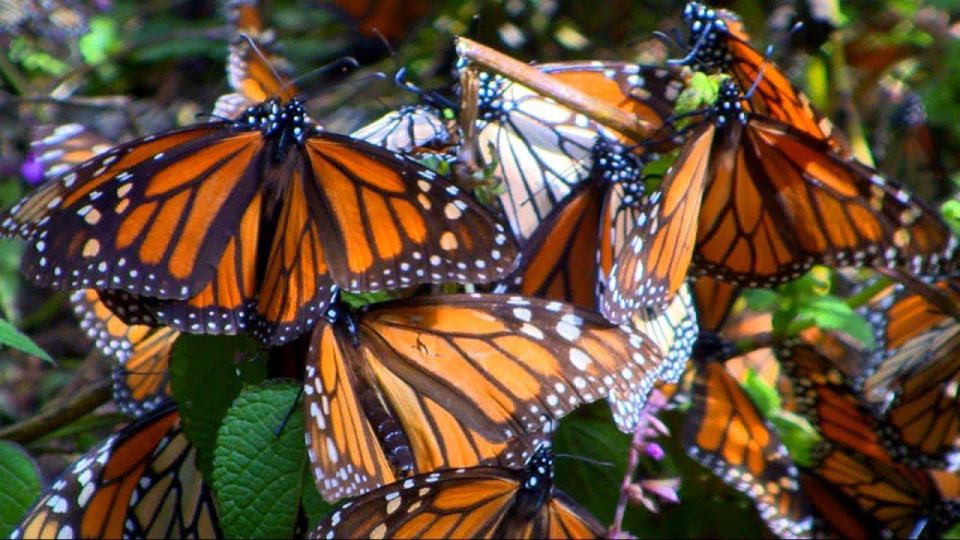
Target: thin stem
{"x":608,"y":115}
{"x":77,"y":406}
{"x":633,"y":461}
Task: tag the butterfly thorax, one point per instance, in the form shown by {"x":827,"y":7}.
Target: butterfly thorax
{"x":707,"y":32}
{"x":282,"y":124}
{"x":536,"y":485}
{"x":491,"y":105}
{"x":728,"y":108}
{"x":615,"y":164}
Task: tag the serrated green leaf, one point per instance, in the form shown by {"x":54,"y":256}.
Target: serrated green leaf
{"x":258,"y":475}
{"x":12,"y":337}
{"x":764,"y":396}
{"x":206,"y":375}
{"x":20,"y":487}
{"x":797,"y":435}
{"x":832,"y":313}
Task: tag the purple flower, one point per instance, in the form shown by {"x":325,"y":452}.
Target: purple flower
{"x":31,"y":169}
{"x":654,"y":451}
{"x":665,"y":488}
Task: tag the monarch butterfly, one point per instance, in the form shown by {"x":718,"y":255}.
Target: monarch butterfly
{"x":325,"y":208}
{"x":725,"y":432}
{"x":913,"y":374}
{"x":141,"y":482}
{"x":438,"y":382}
{"x":777,"y":201}
{"x":542,"y":151}
{"x":479,"y":502}
{"x":718,"y":43}
{"x":857,"y":491}
{"x":141,"y":379}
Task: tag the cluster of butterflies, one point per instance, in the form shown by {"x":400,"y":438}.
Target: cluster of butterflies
{"x":433,"y":412}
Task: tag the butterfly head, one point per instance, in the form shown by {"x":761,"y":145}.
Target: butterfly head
{"x":536,"y":482}
{"x":729,"y":108}
{"x":340,"y":313}
{"x":614,"y":163}
{"x":285,"y":123}
{"x":490,"y":103}
{"x":707,"y":32}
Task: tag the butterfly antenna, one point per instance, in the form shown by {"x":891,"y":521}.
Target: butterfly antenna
{"x":259,"y":52}
{"x":584,"y":459}
{"x":768,"y":59}
{"x":341,"y":66}
{"x":286,"y":417}
{"x":692,"y":53}
{"x":427,"y":96}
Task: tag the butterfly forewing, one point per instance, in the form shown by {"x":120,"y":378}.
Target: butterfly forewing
{"x":467,"y":380}
{"x":141,"y":482}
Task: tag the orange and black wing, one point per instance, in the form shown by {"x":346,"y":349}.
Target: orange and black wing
{"x":453,"y":381}
{"x":714,"y":300}
{"x":560,"y":260}
{"x":778,"y":201}
{"x":897,"y":501}
{"x":914,"y":372}
{"x":479,"y":502}
{"x":141,"y":379}
{"x":255,"y":71}
{"x":387,"y":222}
{"x":719,"y":43}
{"x":726,"y":433}
{"x":652,"y":264}
{"x":115,"y":221}
{"x":141,"y":482}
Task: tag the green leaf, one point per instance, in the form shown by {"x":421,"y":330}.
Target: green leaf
{"x":701,"y":91}
{"x":12,"y":337}
{"x":761,"y":299}
{"x":102,"y":40}
{"x":206,"y":375}
{"x":832,"y":313}
{"x":764,"y":396}
{"x":797,"y":435}
{"x":258,"y":475}
{"x":358,"y":300}
{"x":20,"y":487}
{"x":951,"y":214}
{"x":590,"y":433}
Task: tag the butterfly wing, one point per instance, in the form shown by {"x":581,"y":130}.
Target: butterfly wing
{"x":389,"y":222}
{"x":653,"y":262}
{"x":478,"y":502}
{"x":141,"y":379}
{"x":542,"y":150}
{"x":141,"y":482}
{"x":411,"y":129}
{"x":726,"y":433}
{"x":778,"y":201}
{"x":468,"y":380}
{"x":714,"y":300}
{"x":560,"y":260}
